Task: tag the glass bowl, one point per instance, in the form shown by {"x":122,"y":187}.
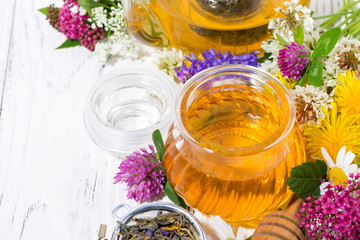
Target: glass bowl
{"x":124,"y":108}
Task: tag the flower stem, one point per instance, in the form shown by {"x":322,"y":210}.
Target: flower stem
{"x":349,"y":26}
{"x":355,"y":30}
{"x":332,"y":15}
{"x":331,"y":21}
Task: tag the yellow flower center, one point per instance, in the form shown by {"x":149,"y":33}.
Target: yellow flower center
{"x":337,"y":176}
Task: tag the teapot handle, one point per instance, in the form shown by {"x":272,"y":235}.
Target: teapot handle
{"x":114,"y":212}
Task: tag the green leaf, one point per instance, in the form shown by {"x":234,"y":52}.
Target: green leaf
{"x":69,"y":43}
{"x":170,"y":192}
{"x":303,"y":78}
{"x":105,"y":2}
{"x":267,"y":55}
{"x":305,"y":179}
{"x":44,"y":10}
{"x":299,"y":35}
{"x":326,"y":43}
{"x":159,"y":143}
{"x":315,"y":73}
{"x":88,"y":5}
{"x":168,"y":189}
{"x":281,"y":40}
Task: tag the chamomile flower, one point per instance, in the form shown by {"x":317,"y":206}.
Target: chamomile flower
{"x":217,"y":229}
{"x":341,"y":169}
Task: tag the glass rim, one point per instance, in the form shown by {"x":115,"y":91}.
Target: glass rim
{"x":203,"y":76}
{"x":110,"y":138}
{"x":150,"y":128}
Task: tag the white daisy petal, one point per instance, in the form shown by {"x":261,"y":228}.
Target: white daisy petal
{"x":340,"y":157}
{"x":240,"y":234}
{"x":215,"y":227}
{"x":353,"y":168}
{"x":222,"y":228}
{"x":327,"y":157}
{"x":349,"y":158}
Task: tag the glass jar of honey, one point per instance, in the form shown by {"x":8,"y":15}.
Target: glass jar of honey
{"x":195,"y":25}
{"x":233,"y":143}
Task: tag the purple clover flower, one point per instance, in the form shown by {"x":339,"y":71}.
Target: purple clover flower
{"x":336,"y":214}
{"x":293,"y":60}
{"x":143,"y":173}
{"x":212,"y":59}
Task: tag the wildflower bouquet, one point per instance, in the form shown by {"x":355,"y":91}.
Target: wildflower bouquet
{"x":321,"y":69}
{"x":331,"y":191}
{"x":96,"y":25}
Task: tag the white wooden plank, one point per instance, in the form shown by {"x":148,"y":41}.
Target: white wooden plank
{"x":6,"y":25}
{"x":54,"y":182}
{"x":325,"y":7}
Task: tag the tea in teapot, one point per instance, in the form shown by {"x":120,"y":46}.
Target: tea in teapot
{"x":195,"y":25}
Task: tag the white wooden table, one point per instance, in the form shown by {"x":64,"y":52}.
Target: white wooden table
{"x":54,"y":182}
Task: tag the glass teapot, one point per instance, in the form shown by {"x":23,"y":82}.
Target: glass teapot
{"x":195,"y":25}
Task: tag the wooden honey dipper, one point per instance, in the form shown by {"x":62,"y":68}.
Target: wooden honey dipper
{"x":281,"y":225}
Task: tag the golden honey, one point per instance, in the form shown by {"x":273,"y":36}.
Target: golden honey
{"x":195,"y":25}
{"x":233,"y":144}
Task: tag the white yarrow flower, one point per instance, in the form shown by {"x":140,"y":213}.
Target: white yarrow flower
{"x":120,"y":42}
{"x":332,"y":64}
{"x":99,"y":17}
{"x":74,"y":9}
{"x":294,"y":15}
{"x":270,"y":66}
{"x":169,"y":59}
{"x":82,"y":11}
{"x":272,"y":46}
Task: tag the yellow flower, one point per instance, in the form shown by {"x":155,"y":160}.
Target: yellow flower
{"x":334,"y":132}
{"x":288,"y":84}
{"x":347,"y":93}
{"x":340,"y":171}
